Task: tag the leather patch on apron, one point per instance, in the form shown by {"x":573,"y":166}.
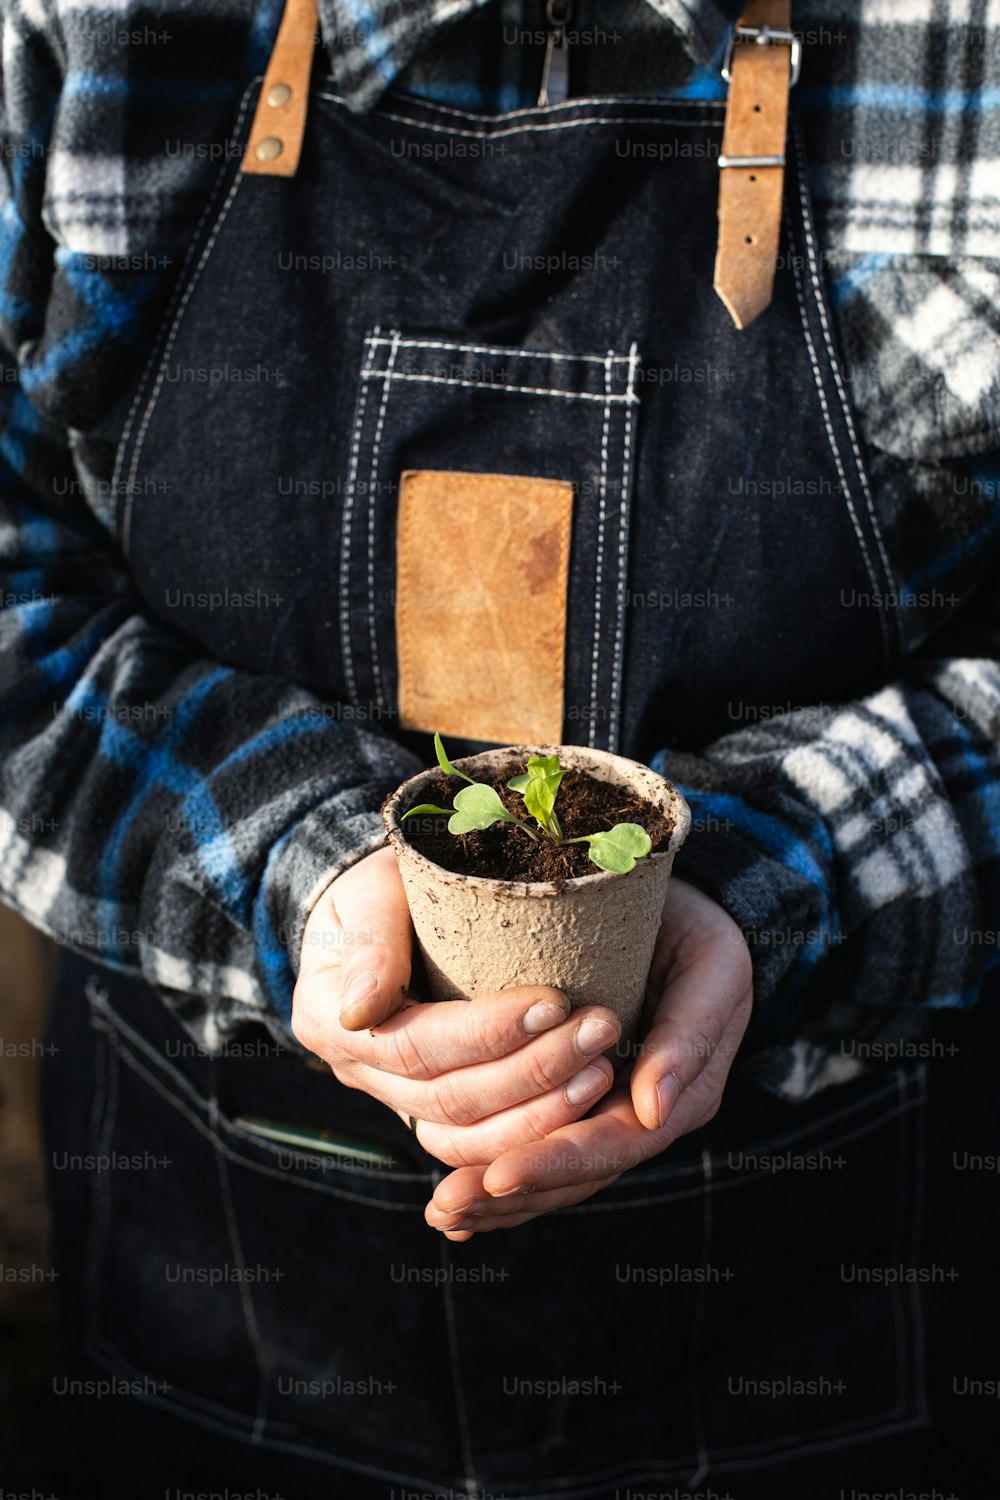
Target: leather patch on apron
{"x":482,"y":564}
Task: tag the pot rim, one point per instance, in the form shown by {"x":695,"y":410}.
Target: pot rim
{"x":544,"y":888}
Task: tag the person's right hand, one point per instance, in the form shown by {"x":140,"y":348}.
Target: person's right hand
{"x":482,"y":1075}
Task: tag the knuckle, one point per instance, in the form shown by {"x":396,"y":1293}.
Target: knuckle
{"x":697,"y":1049}
{"x":541,"y":1070}
{"x":490,"y":1030}
{"x":440,"y":1144}
{"x":535,"y":1121}
{"x":623,"y":1151}
{"x":743,"y":961}
{"x":447,"y":1105}
{"x":402,"y":1055}
{"x":451,"y":1156}
{"x":303,"y":1024}
{"x":743,"y":1011}
{"x":343,"y":1071}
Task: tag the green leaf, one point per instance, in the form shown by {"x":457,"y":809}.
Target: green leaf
{"x":478,"y":806}
{"x":619,"y":848}
{"x":544,"y":765}
{"x":518,"y":783}
{"x":445,"y":763}
{"x":425,"y":807}
{"x":544,"y":775}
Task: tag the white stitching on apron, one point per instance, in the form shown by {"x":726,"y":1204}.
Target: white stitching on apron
{"x":603,"y":491}
{"x":624,"y":511}
{"x":347,"y":525}
{"x":835,"y":367}
{"x":487,"y":385}
{"x":372,"y":510}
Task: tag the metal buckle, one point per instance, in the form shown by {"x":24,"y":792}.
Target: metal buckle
{"x":751,"y":161}
{"x":765,"y":36}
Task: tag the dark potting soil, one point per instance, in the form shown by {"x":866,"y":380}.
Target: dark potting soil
{"x":583,"y":805}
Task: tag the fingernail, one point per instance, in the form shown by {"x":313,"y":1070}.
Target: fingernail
{"x":594,"y":1035}
{"x":585,"y":1085}
{"x":667,"y":1091}
{"x":462,"y":1224}
{"x":361,"y":985}
{"x":478,"y":1207}
{"x":542,"y":1015}
{"x":520,"y":1187}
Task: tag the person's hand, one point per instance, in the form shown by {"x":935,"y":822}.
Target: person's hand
{"x":479,"y":1075}
{"x":701,"y":990}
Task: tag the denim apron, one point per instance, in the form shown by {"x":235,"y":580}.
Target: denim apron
{"x":529,"y":294}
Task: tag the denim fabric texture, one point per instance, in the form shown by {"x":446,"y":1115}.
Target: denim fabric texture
{"x":272,"y":1320}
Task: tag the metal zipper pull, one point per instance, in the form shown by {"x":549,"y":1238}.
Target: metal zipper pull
{"x":555,"y":69}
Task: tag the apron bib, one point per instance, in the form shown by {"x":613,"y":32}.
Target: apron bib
{"x":528,"y":296}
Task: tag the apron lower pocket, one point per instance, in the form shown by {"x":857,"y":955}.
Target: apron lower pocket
{"x":712,"y":1313}
{"x":743,"y":1299}
{"x":278,"y":1294}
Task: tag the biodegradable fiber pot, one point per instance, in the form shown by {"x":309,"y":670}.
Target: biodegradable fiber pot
{"x":592,"y":937}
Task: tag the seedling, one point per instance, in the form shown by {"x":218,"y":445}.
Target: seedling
{"x":478,"y":806}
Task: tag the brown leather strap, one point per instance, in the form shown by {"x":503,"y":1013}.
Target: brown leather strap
{"x":280,"y":120}
{"x":751,"y":167}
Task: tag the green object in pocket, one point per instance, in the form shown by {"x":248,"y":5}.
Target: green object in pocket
{"x":330,"y":1143}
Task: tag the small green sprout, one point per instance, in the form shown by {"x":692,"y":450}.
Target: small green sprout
{"x":478,"y":806}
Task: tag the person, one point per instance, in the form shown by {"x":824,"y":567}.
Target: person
{"x":760,"y":1279}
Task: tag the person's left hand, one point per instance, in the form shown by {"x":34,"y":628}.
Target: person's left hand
{"x":702,"y":975}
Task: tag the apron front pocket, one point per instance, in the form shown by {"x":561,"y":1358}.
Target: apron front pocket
{"x":519,"y":459}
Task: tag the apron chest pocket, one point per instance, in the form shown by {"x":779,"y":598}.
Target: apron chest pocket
{"x":507,"y":533}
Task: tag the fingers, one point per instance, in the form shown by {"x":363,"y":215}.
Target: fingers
{"x":609,"y":1141}
{"x":424,"y":1041}
{"x":693,"y":1045}
{"x":548,"y":1079}
{"x":568,"y":1166}
{"x":688,"y":1028}
{"x":480,"y":1214}
{"x":681,"y":1042}
{"x":356,"y":954}
{"x":451,"y":1063}
{"x":703,"y":968}
{"x":490,"y":1137}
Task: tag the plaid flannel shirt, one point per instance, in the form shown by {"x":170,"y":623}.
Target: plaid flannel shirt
{"x":175,"y":817}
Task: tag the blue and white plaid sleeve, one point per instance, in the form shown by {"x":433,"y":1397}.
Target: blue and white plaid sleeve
{"x":165,"y":814}
{"x":858,"y":847}
{"x":162,"y":813}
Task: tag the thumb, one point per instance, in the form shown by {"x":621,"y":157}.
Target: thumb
{"x":694,"y":1030}
{"x":367,"y":940}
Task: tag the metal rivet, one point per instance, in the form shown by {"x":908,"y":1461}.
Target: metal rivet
{"x":278,"y":94}
{"x":268,"y":148}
